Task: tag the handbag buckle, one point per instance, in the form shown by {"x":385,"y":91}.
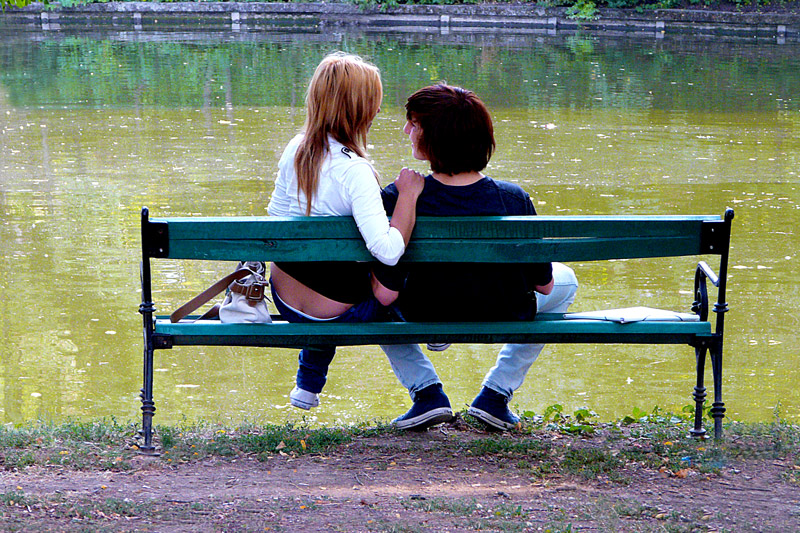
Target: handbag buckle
{"x":255,"y":292}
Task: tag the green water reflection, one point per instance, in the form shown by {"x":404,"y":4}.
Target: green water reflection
{"x":91,"y":129}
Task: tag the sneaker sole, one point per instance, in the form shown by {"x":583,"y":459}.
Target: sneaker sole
{"x":302,"y":405}
{"x":426,"y":420}
{"x":438,"y":347}
{"x":490,"y":420}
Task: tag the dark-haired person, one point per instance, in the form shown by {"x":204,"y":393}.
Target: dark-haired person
{"x":452,"y":129}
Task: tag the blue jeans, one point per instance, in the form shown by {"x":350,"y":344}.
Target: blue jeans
{"x":415,"y":371}
{"x":312,"y":372}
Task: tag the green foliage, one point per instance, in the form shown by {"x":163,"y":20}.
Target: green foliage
{"x":657,"y":417}
{"x":581,"y":422}
{"x":583,"y":10}
{"x":621,"y":4}
{"x":13,"y":3}
{"x":385,"y":5}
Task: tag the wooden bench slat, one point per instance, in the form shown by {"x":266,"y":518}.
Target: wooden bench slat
{"x":440,"y":250}
{"x":546,"y":328}
{"x":337,"y":228}
{"x":552,"y":249}
{"x":491,"y":239}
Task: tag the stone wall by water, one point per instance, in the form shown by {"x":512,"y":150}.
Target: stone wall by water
{"x":465,"y":19}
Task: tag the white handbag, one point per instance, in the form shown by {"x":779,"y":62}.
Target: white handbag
{"x":245,"y":300}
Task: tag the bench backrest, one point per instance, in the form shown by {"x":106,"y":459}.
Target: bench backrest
{"x":447,"y":239}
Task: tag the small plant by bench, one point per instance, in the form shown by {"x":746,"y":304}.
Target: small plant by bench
{"x":453,"y":240}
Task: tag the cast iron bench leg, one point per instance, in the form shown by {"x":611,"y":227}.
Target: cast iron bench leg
{"x":699,"y":392}
{"x":148,"y":406}
{"x":718,"y":407}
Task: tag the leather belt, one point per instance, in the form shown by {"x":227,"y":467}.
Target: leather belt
{"x":254,"y":293}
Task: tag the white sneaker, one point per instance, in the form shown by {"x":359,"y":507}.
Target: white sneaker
{"x":438,"y":346}
{"x":303,"y":399}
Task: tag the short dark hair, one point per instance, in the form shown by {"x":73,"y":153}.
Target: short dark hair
{"x":457,"y":133}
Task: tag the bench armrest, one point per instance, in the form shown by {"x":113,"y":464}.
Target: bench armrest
{"x":709,"y":273}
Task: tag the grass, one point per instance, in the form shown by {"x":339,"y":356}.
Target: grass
{"x":544,"y":449}
{"x":656,"y":440}
{"x":193,"y":442}
{"x":106,"y":514}
{"x":619,"y":514}
{"x":74,"y":444}
{"x":592,"y":463}
{"x":500,"y":517}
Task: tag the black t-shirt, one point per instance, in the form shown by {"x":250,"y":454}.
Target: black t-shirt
{"x":342,"y":281}
{"x":476,"y":292}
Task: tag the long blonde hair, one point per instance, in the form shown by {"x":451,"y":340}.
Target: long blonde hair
{"x":343,"y":98}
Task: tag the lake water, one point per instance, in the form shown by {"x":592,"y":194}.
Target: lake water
{"x":94,"y":128}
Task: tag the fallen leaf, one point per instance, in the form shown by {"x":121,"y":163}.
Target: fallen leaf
{"x":682,"y":473}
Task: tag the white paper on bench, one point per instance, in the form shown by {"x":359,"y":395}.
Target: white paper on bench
{"x":634,"y":314}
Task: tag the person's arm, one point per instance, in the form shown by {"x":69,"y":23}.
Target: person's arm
{"x":384,"y":277}
{"x":544,"y":289}
{"x":409,"y":185}
{"x":383,"y":294}
{"x":362,"y":192}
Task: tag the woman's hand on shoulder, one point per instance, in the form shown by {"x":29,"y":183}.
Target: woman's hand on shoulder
{"x":410,"y":182}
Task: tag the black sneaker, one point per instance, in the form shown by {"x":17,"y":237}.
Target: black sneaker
{"x":491,"y":408}
{"x":431,"y":407}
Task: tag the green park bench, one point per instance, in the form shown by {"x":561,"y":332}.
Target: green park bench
{"x":454,"y":240}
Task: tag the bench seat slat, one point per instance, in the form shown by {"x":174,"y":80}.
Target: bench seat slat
{"x":546,"y":329}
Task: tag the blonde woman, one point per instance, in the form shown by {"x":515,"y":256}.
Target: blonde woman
{"x":324,"y":172}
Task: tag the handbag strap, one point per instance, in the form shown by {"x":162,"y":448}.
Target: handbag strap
{"x":208,"y":294}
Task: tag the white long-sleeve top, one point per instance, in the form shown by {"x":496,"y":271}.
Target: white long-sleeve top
{"x":347,"y":187}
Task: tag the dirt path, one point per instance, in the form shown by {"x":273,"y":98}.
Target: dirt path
{"x":432,"y":481}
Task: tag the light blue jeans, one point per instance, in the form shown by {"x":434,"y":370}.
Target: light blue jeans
{"x":415,"y":371}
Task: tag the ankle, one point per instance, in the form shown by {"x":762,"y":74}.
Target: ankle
{"x":428,"y":392}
